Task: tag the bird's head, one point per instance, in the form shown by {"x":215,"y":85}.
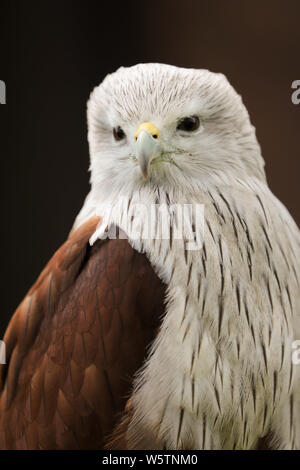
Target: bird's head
{"x":160,"y":125}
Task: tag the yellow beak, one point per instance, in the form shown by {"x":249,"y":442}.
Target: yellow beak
{"x":149,"y":127}
{"x":147,"y":146}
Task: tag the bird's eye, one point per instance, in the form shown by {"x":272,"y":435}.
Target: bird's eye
{"x":189,"y":124}
{"x":118,"y":132}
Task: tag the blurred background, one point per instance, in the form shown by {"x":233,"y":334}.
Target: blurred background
{"x":54,"y":52}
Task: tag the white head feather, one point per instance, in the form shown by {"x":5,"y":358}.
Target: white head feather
{"x":225,"y":143}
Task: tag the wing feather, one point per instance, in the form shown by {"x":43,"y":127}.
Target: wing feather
{"x":74,"y":344}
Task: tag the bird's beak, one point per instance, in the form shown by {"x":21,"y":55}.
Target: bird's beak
{"x":147,"y":146}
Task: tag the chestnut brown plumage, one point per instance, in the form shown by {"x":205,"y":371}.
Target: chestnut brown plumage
{"x":75,"y":343}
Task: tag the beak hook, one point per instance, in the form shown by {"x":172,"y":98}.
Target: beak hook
{"x":147,"y":147}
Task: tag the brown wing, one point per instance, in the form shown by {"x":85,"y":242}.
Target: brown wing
{"x":74,"y":344}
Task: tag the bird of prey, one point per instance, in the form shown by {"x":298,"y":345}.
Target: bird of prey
{"x":138,"y":336}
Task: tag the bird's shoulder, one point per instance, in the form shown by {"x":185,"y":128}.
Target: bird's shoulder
{"x":75,"y":342}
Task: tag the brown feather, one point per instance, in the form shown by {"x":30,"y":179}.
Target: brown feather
{"x":75,"y":343}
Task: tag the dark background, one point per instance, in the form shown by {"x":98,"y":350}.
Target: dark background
{"x":54,"y":52}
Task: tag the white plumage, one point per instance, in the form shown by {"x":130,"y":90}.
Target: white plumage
{"x":220,"y":373}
